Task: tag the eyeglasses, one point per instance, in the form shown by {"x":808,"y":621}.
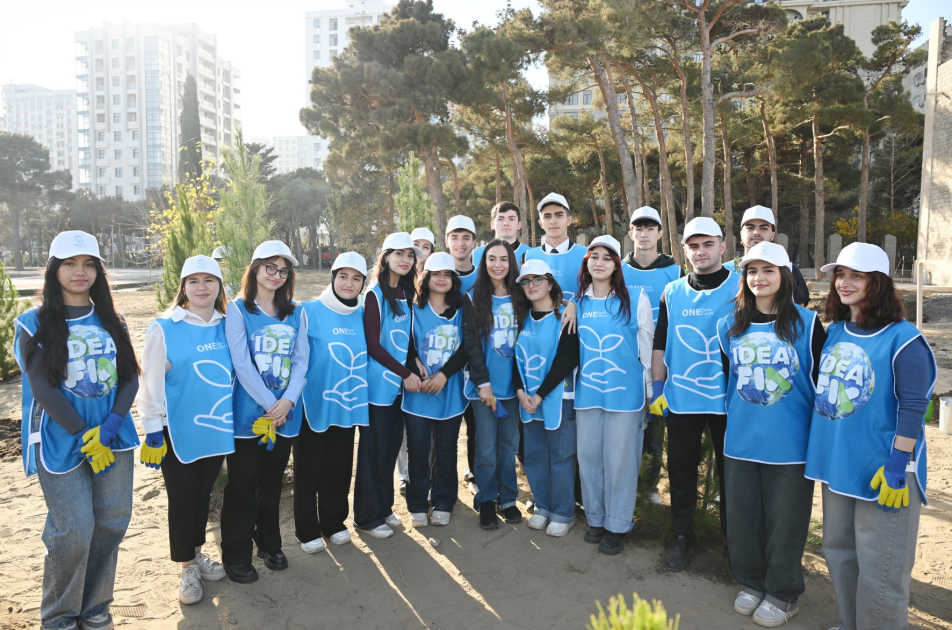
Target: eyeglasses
{"x":273,"y":269}
{"x":536,"y":281}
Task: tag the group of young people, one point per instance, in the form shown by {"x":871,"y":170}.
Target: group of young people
{"x":565,"y":355}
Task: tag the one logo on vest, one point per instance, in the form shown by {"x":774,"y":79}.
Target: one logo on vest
{"x":846,"y":381}
{"x":344,"y":391}
{"x":592,"y":314}
{"x":594,"y":373}
{"x":764,"y":366}
{"x":531,"y":369}
{"x":438,"y":346}
{"x":697,"y":312}
{"x":704,"y":377}
{"x":271,"y":348}
{"x":503,"y":335}
{"x":216,"y":375}
{"x":399,"y":346}
{"x":91,"y":370}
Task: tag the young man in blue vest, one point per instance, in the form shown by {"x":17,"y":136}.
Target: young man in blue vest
{"x":558,"y":251}
{"x":758,"y":226}
{"x":460,"y":241}
{"x":688,"y":377}
{"x":505,"y":221}
{"x":652,"y":272}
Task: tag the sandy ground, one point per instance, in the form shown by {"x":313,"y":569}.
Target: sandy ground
{"x":508,"y":578}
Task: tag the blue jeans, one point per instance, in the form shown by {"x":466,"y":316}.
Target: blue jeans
{"x":497,"y":441}
{"x":442,"y":435}
{"x":609,"y":460}
{"x":549,"y":462}
{"x":87,"y":519}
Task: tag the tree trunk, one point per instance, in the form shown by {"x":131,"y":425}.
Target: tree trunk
{"x":313,"y":247}
{"x":595,"y":214}
{"x":645,"y":182}
{"x":749,"y":176}
{"x":804,"y":245}
{"x":391,"y":209}
{"x":122,"y":249}
{"x":820,"y":199}
{"x":772,"y":156}
{"x":455,"y":171}
{"x":434,"y":185}
{"x":863,"y":192}
{"x":606,"y":196}
{"x":665,"y":242}
{"x":520,"y":180}
{"x":707,"y":109}
{"x":686,"y":131}
{"x":607,"y":85}
{"x":529,"y":212}
{"x":499,"y":182}
{"x":17,"y":254}
{"x":640,"y":199}
{"x":728,"y":195}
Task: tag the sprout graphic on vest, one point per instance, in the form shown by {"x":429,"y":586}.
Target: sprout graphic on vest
{"x":503,"y":335}
{"x":91,"y":367}
{"x":400,"y":341}
{"x":271,"y":349}
{"x":344,"y":389}
{"x":594,"y":373}
{"x":764,"y":366}
{"x":531,"y":370}
{"x":705,"y":377}
{"x":216,"y":375}
{"x":846,"y":381}
{"x":438,"y":346}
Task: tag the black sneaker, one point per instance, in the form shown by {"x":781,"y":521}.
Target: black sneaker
{"x":276,"y":561}
{"x":241,"y":573}
{"x":487,"y":516}
{"x":612,"y":543}
{"x":677,"y":556}
{"x":594,"y":535}
{"x":512,"y":514}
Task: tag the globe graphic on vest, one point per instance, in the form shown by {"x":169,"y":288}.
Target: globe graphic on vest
{"x":271,"y":347}
{"x":91,"y":365}
{"x":503,"y":335}
{"x":438,"y":346}
{"x":846,"y":381}
{"x":764,"y":367}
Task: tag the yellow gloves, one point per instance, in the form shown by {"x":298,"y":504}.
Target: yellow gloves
{"x":154,"y":450}
{"x":99,"y":457}
{"x":890,"y":499}
{"x":265,"y":428}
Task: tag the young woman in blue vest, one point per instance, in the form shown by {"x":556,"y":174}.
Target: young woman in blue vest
{"x":434,"y":414}
{"x":493,"y":329}
{"x":268,"y":343}
{"x":80,"y":378}
{"x":867,"y":440}
{"x":770,"y":351}
{"x":387,"y":333}
{"x":185,"y":408}
{"x":614,"y":358}
{"x":546,"y":355}
{"x":335,"y":401}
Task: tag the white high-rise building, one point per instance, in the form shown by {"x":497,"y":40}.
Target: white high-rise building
{"x":50,"y":117}
{"x":130,"y":80}
{"x":290,"y":152}
{"x":325,"y":34}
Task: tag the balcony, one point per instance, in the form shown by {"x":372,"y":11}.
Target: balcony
{"x":102,"y":162}
{"x":102,"y":144}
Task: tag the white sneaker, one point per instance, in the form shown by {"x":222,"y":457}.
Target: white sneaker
{"x":190,"y":585}
{"x":769,"y":616}
{"x":440,"y":518}
{"x":558,"y":529}
{"x":315,"y":546}
{"x":418,"y":519}
{"x":211,"y":570}
{"x":382,"y":531}
{"x":746,"y":604}
{"x":341,"y":538}
{"x":654,"y":498}
{"x":473,"y":488}
{"x":537,"y":521}
{"x":393,"y":520}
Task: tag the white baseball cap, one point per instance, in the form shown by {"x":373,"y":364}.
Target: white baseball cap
{"x":440,"y":261}
{"x":270,"y":249}
{"x":460,"y":222}
{"x":646,"y":212}
{"x":351,"y":260}
{"x":533,"y":267}
{"x":701,"y":226}
{"x":74,"y":243}
{"x":770,"y":253}
{"x":401,"y":240}
{"x":758,"y":212}
{"x":606,"y":241}
{"x":555,"y":198}
{"x":201,"y":264}
{"x":220,"y":252}
{"x":861,"y":257}
{"x":423,"y":234}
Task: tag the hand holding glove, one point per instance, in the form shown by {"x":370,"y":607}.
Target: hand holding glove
{"x":658,"y":406}
{"x":98,"y":455}
{"x":265,"y":428}
{"x":154,"y":450}
{"x":498,"y":410}
{"x":891,"y":482}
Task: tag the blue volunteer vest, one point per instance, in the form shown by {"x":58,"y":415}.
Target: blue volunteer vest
{"x":395,"y":339}
{"x":270,"y":343}
{"x":437,"y":339}
{"x":696,"y":382}
{"x":769,"y":392}
{"x":565,"y":267}
{"x":90,"y":386}
{"x":855,"y":410}
{"x":518,"y":252}
{"x":336,"y":393}
{"x":198,"y":389}
{"x":652,"y":282}
{"x":610,"y":376}
{"x":536,"y":347}
{"x":498,"y":350}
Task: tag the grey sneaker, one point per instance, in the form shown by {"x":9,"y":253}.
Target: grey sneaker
{"x":102,"y":621}
{"x":211,"y":570}
{"x":746,"y":604}
{"x":393,"y":520}
{"x":769,"y":616}
{"x":190,"y":585}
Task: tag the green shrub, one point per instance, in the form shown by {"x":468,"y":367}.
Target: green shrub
{"x":641,"y":616}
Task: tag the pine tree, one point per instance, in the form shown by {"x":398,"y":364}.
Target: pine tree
{"x":412,"y":202}
{"x":187,"y":236}
{"x":10,"y":307}
{"x":190,"y":133}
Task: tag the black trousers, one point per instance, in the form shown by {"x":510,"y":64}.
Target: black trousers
{"x":469,"y":417}
{"x":652,"y":448}
{"x":323,"y":465}
{"x":252,"y":498}
{"x":189,"y":488}
{"x":685,"y":432}
{"x":377,"y":452}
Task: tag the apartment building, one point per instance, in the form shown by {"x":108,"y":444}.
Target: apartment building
{"x":50,"y":117}
{"x":290,"y":151}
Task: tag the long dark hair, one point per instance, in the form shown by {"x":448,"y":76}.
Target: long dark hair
{"x":283,"y":295}
{"x":618,"y":285}
{"x":221,"y":301}
{"x":454,"y":297}
{"x":483,"y":289}
{"x":880,"y":307}
{"x":788,"y":325}
{"x":381,"y":277}
{"x":52,"y":332}
{"x":522,"y":306}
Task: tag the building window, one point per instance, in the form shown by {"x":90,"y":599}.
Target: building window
{"x":116,"y":99}
{"x":317,"y":39}
{"x":118,"y":191}
{"x":587,"y":97}
{"x":332,"y":24}
{"x":101,"y":136}
{"x":135,"y":171}
{"x":102,"y":191}
{"x":131,"y":100}
{"x":131,"y":117}
{"x":100,"y":102}
{"x":571,"y":100}
{"x":99,"y":65}
{"x":118,"y":171}
{"x":135,"y":153}
{"x":130,"y":44}
{"x":98,"y":46}
{"x":115,"y":82}
{"x":135,"y":136}
{"x":332,"y":54}
{"x":332,"y":40}
{"x":102,"y":172}
{"x":316,"y":23}
{"x":115,"y":44}
{"x":317,"y":162}
{"x":136,"y":190}
{"x":117,"y":135}
{"x":102,"y":154}
{"x":100,"y":84}
{"x":115,"y":62}
{"x":101,"y":118}
{"x":117,"y":118}
{"x":317,"y":55}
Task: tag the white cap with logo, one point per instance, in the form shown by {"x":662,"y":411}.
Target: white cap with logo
{"x":533,"y":267}
{"x":74,"y":243}
{"x":201,"y":264}
{"x":861,"y":257}
{"x":758,"y":212}
{"x":606,"y":241}
{"x":460,"y":222}
{"x":769,"y":253}
{"x":351,"y":260}
{"x":555,"y":198}
{"x":440,"y":261}
{"x":220,"y":252}
{"x":270,"y":249}
{"x":646,"y":212}
{"x":401,"y":240}
{"x":423,"y":234}
{"x":701,"y":226}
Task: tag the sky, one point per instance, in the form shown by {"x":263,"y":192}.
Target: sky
{"x":265,"y":39}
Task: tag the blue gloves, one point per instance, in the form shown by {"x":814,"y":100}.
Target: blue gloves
{"x":891,"y":481}
{"x":499,"y":411}
{"x":109,"y":429}
{"x":658,"y":405}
